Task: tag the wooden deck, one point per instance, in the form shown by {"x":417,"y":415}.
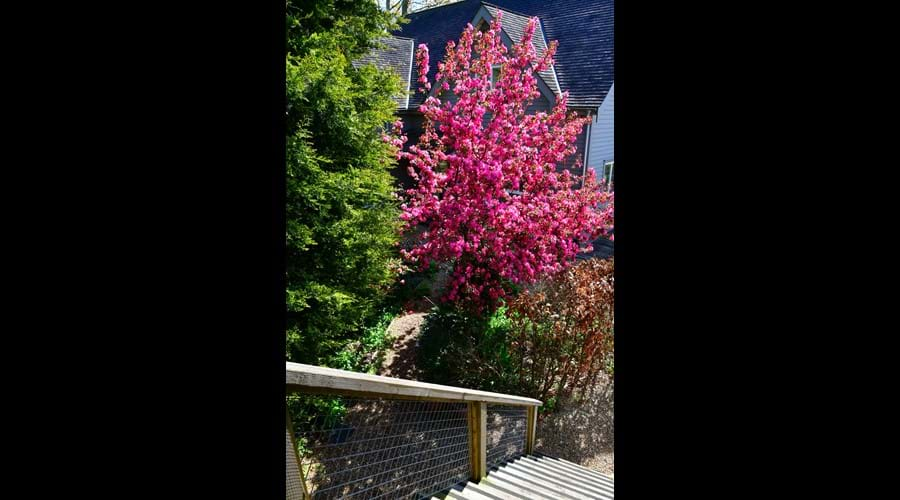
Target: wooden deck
{"x":536,"y":477}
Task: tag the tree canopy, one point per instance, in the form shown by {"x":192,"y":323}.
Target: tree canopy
{"x":488,"y":186}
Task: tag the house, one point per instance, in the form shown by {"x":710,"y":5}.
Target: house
{"x":584,"y":61}
{"x":584,"y":66}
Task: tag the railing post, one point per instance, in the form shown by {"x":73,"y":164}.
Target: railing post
{"x":530,"y":430}
{"x":294,"y":455}
{"x":478,"y":439}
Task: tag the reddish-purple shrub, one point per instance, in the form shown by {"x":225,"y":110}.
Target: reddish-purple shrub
{"x":561,"y":330}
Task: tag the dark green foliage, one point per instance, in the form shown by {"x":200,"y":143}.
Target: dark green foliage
{"x":366,"y":354}
{"x":550,"y":405}
{"x":462,"y":349}
{"x":342,"y":216}
{"x":353,"y":23}
{"x":313,"y":412}
{"x":416,"y":290}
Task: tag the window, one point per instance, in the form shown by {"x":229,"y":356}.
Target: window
{"x":608,"y":177}
{"x":495,"y":74}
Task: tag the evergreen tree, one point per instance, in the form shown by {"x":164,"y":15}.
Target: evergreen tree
{"x":342,"y":214}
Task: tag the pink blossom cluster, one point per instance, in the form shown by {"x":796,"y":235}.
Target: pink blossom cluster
{"x":488,"y":187}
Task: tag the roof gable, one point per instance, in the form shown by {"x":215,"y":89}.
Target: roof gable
{"x":584,"y":29}
{"x":435,"y":27}
{"x":514,"y":26}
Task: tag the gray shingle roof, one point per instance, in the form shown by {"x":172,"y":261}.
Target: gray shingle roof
{"x":514,"y":26}
{"x":396,"y":54}
{"x":584,"y":29}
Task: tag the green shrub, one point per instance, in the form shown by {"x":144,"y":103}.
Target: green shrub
{"x":462,"y":349}
{"x":341,"y":211}
{"x":312,"y":412}
{"x":367,"y":354}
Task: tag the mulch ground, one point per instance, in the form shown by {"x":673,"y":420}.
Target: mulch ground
{"x":582,"y":432}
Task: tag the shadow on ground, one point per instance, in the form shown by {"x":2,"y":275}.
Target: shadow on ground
{"x":582,"y":432}
{"x":400,"y":361}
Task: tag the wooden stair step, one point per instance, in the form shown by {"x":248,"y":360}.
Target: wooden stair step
{"x":560,"y":463}
{"x":510,"y":490}
{"x":581,"y":483}
{"x":526,"y":480}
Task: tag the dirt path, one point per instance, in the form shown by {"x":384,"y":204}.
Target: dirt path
{"x":400,"y":360}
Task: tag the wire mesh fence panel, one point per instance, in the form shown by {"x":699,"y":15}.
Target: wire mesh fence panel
{"x":378,"y":448}
{"x":506,"y":428}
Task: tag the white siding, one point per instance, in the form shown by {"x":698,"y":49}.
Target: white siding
{"x":601,"y":148}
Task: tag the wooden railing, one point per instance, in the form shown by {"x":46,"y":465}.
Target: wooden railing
{"x":419,"y":426}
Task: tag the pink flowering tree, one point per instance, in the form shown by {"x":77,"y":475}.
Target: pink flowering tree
{"x":488,"y":187}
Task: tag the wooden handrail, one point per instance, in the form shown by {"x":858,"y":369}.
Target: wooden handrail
{"x":321,"y":380}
